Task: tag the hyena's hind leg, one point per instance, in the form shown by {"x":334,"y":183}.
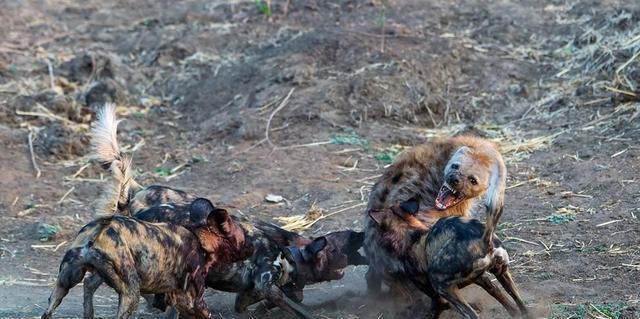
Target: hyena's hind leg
{"x":72,"y":271}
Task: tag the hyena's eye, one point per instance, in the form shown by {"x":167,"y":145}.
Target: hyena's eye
{"x":473,"y":180}
{"x":455,"y":166}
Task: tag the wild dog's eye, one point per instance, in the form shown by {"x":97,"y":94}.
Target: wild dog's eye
{"x":455,"y":166}
{"x":473,"y":180}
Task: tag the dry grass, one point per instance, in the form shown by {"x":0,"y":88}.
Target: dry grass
{"x":312,"y":216}
{"x":606,"y":57}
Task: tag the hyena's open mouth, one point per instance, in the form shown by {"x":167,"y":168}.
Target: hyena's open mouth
{"x":448,"y":197}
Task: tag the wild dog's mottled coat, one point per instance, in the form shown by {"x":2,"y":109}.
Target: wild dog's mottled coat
{"x":134,"y":257}
{"x":266,"y":266}
{"x":255,"y":278}
{"x":445,"y":256}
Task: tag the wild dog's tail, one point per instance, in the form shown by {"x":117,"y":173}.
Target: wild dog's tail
{"x":494,"y":198}
{"x":107,"y":151}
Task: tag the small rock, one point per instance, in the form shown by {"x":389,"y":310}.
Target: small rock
{"x":61,"y":142}
{"x":102,"y":92}
{"x":271,"y":198}
{"x":47,"y":232}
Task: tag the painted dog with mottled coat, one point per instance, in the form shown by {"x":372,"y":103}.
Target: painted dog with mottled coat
{"x":440,"y":256}
{"x":134,"y":257}
{"x":283,"y":260}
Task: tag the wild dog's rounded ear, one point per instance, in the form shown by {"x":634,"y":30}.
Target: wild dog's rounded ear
{"x":356,"y":238}
{"x":218,"y":218}
{"x":410,"y":206}
{"x":313,"y":248}
{"x":199,"y":211}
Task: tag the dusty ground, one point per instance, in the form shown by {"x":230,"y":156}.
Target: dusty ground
{"x":555,"y":82}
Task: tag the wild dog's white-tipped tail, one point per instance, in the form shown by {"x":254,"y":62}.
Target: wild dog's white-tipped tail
{"x":494,"y":199}
{"x":104,"y":140}
{"x":107,"y":152}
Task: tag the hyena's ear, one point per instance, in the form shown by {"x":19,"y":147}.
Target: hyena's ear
{"x":199,"y":211}
{"x":313,"y":248}
{"x":377,"y":216}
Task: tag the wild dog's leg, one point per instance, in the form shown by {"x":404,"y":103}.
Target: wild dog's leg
{"x":126,"y":284}
{"x":505,"y":279}
{"x":401,"y":290}
{"x":374,"y":281}
{"x":245,"y":299}
{"x":276,"y":296}
{"x":294,"y":293}
{"x":71,"y":273}
{"x":54,"y":300}
{"x":91,"y":284}
{"x":438,"y":304}
{"x":484,"y":281}
{"x":129,"y":297}
{"x":452,"y":295}
{"x":188,"y":305}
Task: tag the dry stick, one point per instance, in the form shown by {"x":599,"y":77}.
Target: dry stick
{"x":66,"y":194}
{"x":80,"y":170}
{"x":382,"y":34}
{"x":622,"y":67}
{"x":252,"y":146}
{"x":59,"y":245}
{"x":51,"y":78}
{"x":285,"y":9}
{"x":336,"y":212}
{"x":302,"y":145}
{"x":280,"y":107}
{"x":38,"y":114}
{"x":33,"y":156}
{"x":628,"y":93}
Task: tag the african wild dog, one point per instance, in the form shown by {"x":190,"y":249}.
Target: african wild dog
{"x":134,"y":257}
{"x":341,"y":251}
{"x":260,"y":277}
{"x":282,"y":264}
{"x":442,"y":255}
{"x":446,"y":176}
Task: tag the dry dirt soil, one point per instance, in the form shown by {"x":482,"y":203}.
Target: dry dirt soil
{"x":340,"y":86}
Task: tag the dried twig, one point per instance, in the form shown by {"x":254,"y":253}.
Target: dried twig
{"x":280,"y":107}
{"x":609,"y":222}
{"x":302,"y":145}
{"x":522,"y":240}
{"x":66,"y":194}
{"x":33,"y":156}
{"x":51,"y":77}
{"x":80,"y":170}
{"x":315,"y":214}
{"x":59,"y":245}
